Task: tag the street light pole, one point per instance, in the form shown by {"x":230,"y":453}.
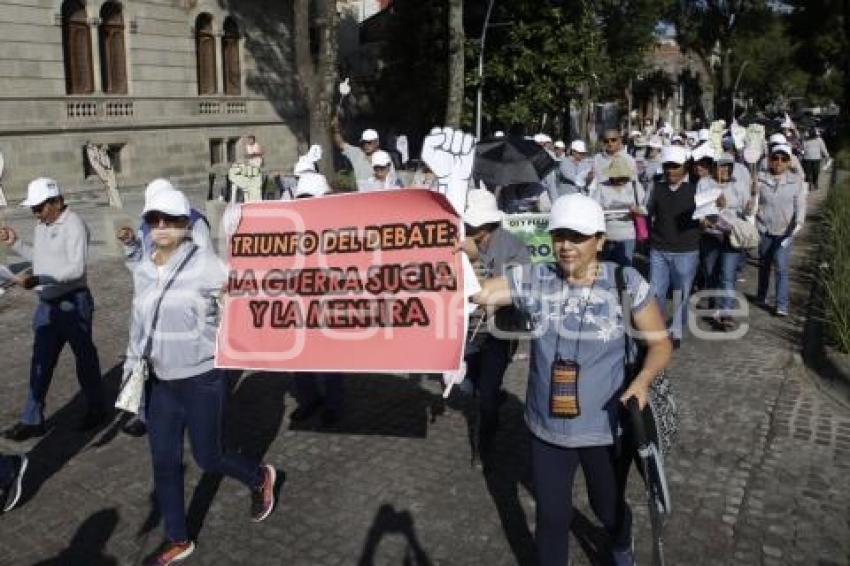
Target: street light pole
{"x":735,"y":88}
{"x":480,"y":92}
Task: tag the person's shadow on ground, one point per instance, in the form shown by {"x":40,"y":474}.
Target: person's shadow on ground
{"x":388,"y":521}
{"x":507,"y":469}
{"x":62,"y":441}
{"x":86,"y":548}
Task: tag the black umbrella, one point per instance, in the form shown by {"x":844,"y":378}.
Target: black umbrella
{"x":511,"y":161}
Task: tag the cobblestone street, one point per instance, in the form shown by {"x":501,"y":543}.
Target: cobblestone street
{"x":760,"y":474}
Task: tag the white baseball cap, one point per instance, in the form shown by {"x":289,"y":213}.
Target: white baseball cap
{"x":655,"y":142}
{"x":41,"y":189}
{"x":578,"y":146}
{"x":540,"y":138}
{"x":369,"y":135}
{"x":703,"y":151}
{"x":578,"y":213}
{"x":674,"y":154}
{"x":499,"y":134}
{"x":168,"y":201}
{"x":777,"y":139}
{"x":481,"y":208}
{"x":560,"y":144}
{"x":781,"y":148}
{"x":157,"y":185}
{"x":381,"y":159}
{"x":312,"y":185}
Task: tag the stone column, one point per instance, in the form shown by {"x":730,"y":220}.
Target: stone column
{"x":94,"y":34}
{"x":219,"y":63}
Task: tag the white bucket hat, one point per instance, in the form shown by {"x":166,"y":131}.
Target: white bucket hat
{"x":312,"y":185}
{"x":577,"y":212}
{"x":168,"y":201}
{"x":481,"y":208}
{"x":40,"y":190}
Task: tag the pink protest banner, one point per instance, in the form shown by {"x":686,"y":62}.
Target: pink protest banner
{"x":364,"y":282}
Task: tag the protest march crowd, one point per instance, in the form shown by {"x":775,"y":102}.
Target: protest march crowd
{"x":654,"y":215}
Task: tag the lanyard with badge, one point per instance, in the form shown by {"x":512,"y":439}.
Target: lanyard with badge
{"x":563,"y":385}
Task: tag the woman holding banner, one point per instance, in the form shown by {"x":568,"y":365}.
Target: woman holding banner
{"x":173,"y":330}
{"x":577,"y":376}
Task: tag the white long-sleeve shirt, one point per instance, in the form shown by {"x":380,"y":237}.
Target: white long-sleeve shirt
{"x":59,"y":254}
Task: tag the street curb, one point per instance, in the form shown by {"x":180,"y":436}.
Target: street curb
{"x":827,"y":369}
{"x":836,"y":390}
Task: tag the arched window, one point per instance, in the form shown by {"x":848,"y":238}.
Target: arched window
{"x":113,"y":66}
{"x":205,"y":45}
{"x":230,"y":54}
{"x":76,"y":48}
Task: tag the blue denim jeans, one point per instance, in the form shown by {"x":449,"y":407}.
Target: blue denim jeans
{"x":673,"y":271}
{"x":486,"y":368}
{"x":195,"y":404}
{"x":709,"y":251}
{"x":56,"y":323}
{"x":771,"y":253}
{"x":730,"y":262}
{"x":621,"y":252}
{"x":553,"y":470}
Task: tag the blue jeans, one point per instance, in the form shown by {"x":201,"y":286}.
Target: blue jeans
{"x":621,"y":252}
{"x":553,"y":471}
{"x":771,"y":253}
{"x":307,"y":389}
{"x":730,"y":262}
{"x":197,"y":404}
{"x":676,"y":271}
{"x":54,"y":324}
{"x":486,"y":368}
{"x":709,"y":251}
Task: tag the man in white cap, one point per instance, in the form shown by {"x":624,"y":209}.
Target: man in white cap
{"x":359,"y":157}
{"x":493,"y":249}
{"x":576,"y":170}
{"x":383,"y":175}
{"x":652,"y":164}
{"x":560,"y":150}
{"x":64,"y":313}
{"x":612,"y":145}
{"x":674,"y":236}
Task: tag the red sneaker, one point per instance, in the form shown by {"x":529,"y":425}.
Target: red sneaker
{"x":262,"y":498}
{"x":171,"y":553}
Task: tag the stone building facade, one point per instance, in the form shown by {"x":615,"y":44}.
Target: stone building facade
{"x":170,"y":86}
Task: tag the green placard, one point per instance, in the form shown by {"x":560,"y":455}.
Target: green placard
{"x":533,"y":230}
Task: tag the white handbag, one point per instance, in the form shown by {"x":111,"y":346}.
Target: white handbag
{"x":133,"y":385}
{"x":133,"y":388}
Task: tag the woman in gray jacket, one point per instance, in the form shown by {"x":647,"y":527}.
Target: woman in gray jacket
{"x":174,"y":321}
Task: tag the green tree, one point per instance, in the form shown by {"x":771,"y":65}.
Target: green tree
{"x":819,"y":31}
{"x":715,"y":31}
{"x":539,"y":57}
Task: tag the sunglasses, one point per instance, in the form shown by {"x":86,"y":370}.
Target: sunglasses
{"x":155,"y":218}
{"x":610,"y":140}
{"x":780,"y":157}
{"x":380,"y":167}
{"x":567,"y":235}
